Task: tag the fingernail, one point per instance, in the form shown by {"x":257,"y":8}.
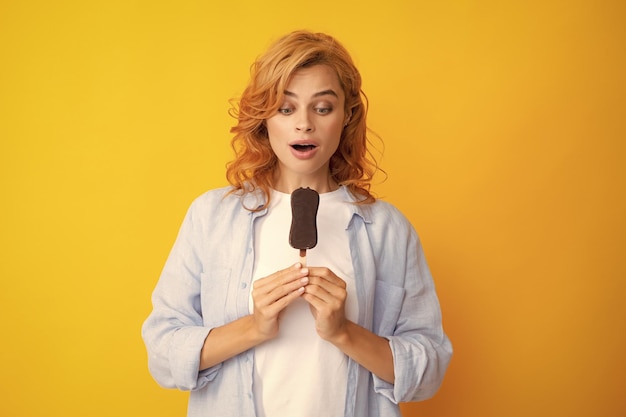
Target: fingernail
{"x":304,"y":270}
{"x":304,"y":280}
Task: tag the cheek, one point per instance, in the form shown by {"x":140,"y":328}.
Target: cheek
{"x":270,"y":126}
{"x":275,"y":125}
{"x":335,"y":129}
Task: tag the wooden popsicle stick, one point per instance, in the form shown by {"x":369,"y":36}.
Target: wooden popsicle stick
{"x":303,"y":257}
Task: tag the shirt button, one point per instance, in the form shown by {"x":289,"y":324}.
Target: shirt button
{"x":244,"y":285}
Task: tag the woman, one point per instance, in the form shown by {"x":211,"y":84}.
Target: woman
{"x":239,"y":321}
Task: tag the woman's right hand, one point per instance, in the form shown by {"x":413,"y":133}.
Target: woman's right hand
{"x":272,"y":294}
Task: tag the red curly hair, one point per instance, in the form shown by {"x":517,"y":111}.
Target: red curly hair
{"x":351,"y":165}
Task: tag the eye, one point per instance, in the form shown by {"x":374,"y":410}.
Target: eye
{"x":323,"y":110}
{"x":285,"y":110}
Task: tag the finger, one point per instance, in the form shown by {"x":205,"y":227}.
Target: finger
{"x":284,"y":290}
{"x":314,"y":300}
{"x":272,"y":309}
{"x":326,"y":293}
{"x":283,"y":302}
{"x":319,"y":286}
{"x":270,"y":294}
{"x":281,"y":277}
{"x":324,"y":310}
{"x":281,"y":274}
{"x":328,"y":275}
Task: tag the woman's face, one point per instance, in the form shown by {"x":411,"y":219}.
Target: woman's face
{"x":306,"y":130}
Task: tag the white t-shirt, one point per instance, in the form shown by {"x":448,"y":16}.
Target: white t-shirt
{"x":298,"y":374}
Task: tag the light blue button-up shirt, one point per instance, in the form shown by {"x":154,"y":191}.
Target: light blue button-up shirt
{"x":206,"y":282}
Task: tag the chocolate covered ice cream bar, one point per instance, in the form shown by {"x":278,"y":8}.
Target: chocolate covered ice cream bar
{"x":303,"y":232}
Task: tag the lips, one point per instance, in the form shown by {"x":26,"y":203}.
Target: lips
{"x":303,"y":149}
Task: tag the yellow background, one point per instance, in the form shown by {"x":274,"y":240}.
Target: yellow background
{"x":504,"y":130}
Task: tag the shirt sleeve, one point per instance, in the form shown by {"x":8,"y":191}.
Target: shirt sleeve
{"x":173,"y":332}
{"x":410,"y":318}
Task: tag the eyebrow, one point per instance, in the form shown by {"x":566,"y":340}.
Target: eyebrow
{"x":328,"y":92}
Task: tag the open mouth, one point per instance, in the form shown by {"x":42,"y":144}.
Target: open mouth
{"x":303,"y":147}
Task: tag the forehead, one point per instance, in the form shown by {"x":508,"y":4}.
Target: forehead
{"x":314,"y":79}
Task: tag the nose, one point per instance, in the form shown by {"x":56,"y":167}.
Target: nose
{"x":303,"y":123}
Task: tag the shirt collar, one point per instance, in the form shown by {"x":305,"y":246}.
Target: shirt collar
{"x":256,"y":198}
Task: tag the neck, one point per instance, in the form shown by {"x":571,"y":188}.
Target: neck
{"x":288,"y":185}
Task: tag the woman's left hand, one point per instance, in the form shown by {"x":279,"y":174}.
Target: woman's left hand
{"x":326,"y":294}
